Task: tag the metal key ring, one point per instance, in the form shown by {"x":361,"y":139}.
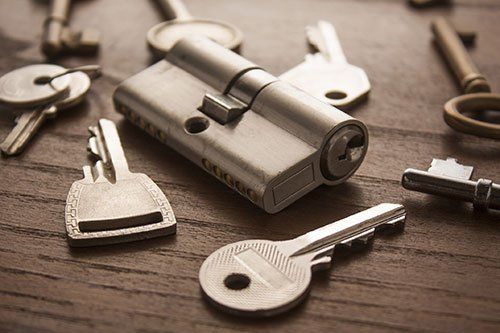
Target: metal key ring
{"x":455,"y":108}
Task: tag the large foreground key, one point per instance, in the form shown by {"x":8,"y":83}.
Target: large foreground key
{"x":111,"y":204}
{"x":263,"y":278}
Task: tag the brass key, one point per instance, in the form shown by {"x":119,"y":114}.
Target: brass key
{"x":478,"y":96}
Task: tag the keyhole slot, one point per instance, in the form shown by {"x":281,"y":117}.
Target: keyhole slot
{"x":353,"y":148}
{"x":237,"y":281}
{"x":42,"y":80}
{"x":335,"y":94}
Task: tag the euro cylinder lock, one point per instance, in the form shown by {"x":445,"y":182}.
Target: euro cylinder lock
{"x":266,"y":139}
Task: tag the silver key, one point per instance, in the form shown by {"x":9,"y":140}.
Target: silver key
{"x":264,"y":278}
{"x":451,"y":179}
{"x":327,"y":75}
{"x":29,"y":122}
{"x":111,"y":204}
{"x":18,"y":88}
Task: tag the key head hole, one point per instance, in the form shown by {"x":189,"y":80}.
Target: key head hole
{"x":42,"y":80}
{"x":237,"y":281}
{"x":196,"y":125}
{"x":335,"y":94}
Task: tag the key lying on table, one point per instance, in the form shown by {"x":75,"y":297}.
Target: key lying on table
{"x":111,"y":204}
{"x":18,"y":88}
{"x":59,"y":38}
{"x":327,"y":75}
{"x":264,"y":278}
{"x":29,"y":122}
{"x":451,"y":179}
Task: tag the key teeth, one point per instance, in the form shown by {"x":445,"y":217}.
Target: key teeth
{"x":321,"y":263}
{"x":450,"y":168}
{"x":394,"y":225}
{"x":92,"y":147}
{"x":364,"y":240}
{"x":92,"y":130}
{"x":312,"y":37}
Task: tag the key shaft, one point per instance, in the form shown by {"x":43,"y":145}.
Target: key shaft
{"x":459,"y":60}
{"x":26,"y":127}
{"x":58,"y":37}
{"x":483,"y":193}
{"x":54,"y":26}
{"x":105,"y":143}
{"x":348,"y":228}
{"x":324,"y":38}
{"x":174,"y":9}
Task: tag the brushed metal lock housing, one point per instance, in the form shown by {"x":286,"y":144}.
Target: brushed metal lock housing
{"x":266,"y":139}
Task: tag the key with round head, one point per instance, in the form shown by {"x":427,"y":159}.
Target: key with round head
{"x":180,"y":24}
{"x":111,"y":204}
{"x":264,"y":278}
{"x":327,"y":75}
{"x":19,"y":89}
{"x":29,"y":122}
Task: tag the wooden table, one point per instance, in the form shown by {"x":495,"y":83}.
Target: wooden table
{"x":440,"y":275}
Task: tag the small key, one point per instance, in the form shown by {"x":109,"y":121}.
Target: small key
{"x":29,"y":122}
{"x":111,"y":204}
{"x":450,"y":179}
{"x":19,"y":89}
{"x":264,"y":278}
{"x":57,"y":36}
{"x":327,"y":75}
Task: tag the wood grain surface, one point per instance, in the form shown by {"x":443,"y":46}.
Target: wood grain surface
{"x":442,"y":274}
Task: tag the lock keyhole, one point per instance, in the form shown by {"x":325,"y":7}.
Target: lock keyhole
{"x":353,"y":147}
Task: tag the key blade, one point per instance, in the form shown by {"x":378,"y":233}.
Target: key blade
{"x":105,"y":144}
{"x":324,"y":38}
{"x":27,"y":124}
{"x":450,"y":168}
{"x":349,"y":228}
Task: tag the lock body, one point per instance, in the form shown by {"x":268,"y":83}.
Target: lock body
{"x":266,"y":139}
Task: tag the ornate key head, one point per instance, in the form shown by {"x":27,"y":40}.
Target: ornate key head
{"x":111,"y":204}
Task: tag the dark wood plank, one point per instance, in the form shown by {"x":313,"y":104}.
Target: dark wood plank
{"x":439,"y":275}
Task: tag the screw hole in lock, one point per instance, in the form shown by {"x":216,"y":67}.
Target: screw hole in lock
{"x":335,"y":94}
{"x":196,"y":125}
{"x":237,"y":281}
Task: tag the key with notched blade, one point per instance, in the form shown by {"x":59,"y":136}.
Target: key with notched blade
{"x":264,"y":278}
{"x":326,"y":74}
{"x":29,"y":122}
{"x":451,"y":179}
{"x":111,"y":204}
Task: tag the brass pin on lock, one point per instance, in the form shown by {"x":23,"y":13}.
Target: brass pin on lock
{"x":58,"y":38}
